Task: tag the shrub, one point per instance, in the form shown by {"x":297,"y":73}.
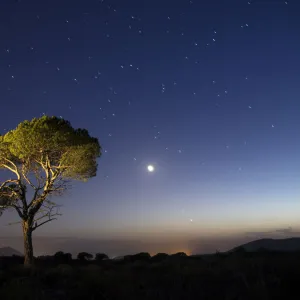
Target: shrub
{"x":83,"y":256}
{"x":142,"y":256}
{"x":62,"y":258}
{"x":101,"y":256}
{"x":159,"y":257}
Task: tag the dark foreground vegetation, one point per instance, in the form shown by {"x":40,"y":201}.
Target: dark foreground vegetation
{"x":235,"y":276}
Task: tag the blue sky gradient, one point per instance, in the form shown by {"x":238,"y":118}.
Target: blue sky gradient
{"x":205,"y":91}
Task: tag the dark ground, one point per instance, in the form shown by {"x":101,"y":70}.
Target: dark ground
{"x":235,"y":276}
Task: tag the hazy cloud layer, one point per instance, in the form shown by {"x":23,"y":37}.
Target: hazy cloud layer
{"x":276,"y":233}
{"x":119,"y":246}
{"x":50,"y":245}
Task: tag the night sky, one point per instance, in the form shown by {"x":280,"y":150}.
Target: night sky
{"x":207,"y":92}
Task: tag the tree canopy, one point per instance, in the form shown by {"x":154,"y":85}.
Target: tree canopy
{"x":51,"y":142}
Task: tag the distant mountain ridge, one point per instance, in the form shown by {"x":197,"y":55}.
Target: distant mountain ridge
{"x":8,"y":251}
{"x":285,"y":245}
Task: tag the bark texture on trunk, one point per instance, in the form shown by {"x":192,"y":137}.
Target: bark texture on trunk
{"x":28,"y":249}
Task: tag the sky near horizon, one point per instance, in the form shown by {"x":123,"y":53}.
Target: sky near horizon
{"x":207,"y":92}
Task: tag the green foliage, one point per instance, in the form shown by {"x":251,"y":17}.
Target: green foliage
{"x":53,"y":140}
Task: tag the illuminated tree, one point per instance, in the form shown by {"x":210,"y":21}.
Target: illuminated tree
{"x":43,"y":155}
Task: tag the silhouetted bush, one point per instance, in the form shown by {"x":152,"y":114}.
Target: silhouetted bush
{"x":142,"y":256}
{"x":62,"y":258}
{"x":100,"y":256}
{"x":45,"y":258}
{"x":83,"y":256}
{"x":261,"y":275}
{"x":179,"y":254}
{"x":159,"y":257}
{"x":128,"y":258}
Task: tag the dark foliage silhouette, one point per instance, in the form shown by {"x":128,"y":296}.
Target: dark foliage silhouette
{"x":83,"y":256}
{"x":159,"y":257}
{"x":100,"y":256}
{"x":235,"y":275}
{"x":62,"y":257}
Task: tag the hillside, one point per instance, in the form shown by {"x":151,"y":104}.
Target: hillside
{"x":285,"y":245}
{"x":8,"y":251}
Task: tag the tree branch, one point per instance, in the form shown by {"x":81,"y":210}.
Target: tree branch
{"x":8,"y":181}
{"x":28,"y":180}
{"x":13,"y":169}
{"x":34,"y":202}
{"x":36,"y":189}
{"x":38,"y":225}
{"x":18,"y":211}
{"x":10,"y":194}
{"x":9,"y":168}
{"x":39,"y":178}
{"x":47,"y":215}
{"x":18,"y":181}
{"x":50,"y":216}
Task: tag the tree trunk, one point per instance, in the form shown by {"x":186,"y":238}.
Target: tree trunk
{"x":28,"y":249}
